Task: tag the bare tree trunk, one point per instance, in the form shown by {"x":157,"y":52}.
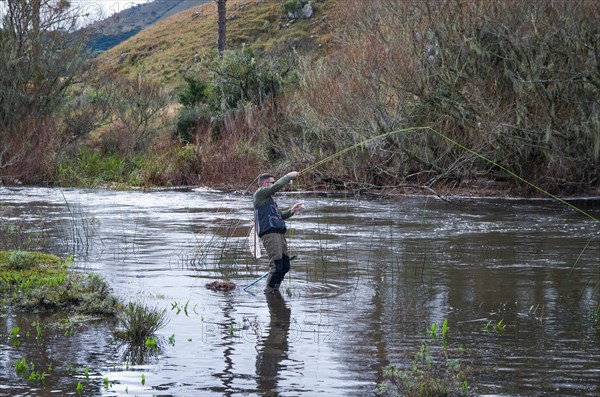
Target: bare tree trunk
{"x":222,"y":14}
{"x":36,"y":42}
{"x":35,"y":17}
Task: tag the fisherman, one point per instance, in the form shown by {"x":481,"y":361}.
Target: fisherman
{"x":270,"y":226}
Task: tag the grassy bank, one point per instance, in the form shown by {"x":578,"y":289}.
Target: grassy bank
{"x":39,"y":282}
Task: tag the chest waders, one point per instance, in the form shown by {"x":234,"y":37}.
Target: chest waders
{"x":271,"y":229}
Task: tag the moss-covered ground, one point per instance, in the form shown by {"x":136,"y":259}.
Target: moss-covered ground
{"x":40,"y":282}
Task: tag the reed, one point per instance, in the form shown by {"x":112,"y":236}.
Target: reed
{"x":81,"y":230}
{"x":23,"y":236}
{"x":223,"y":249}
{"x":140,"y":322}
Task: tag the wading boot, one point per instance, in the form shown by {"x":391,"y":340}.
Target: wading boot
{"x":285,"y":266}
{"x":271,"y":289}
{"x":276,"y":276}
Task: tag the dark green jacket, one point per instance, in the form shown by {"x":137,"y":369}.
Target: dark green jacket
{"x":268,"y":217}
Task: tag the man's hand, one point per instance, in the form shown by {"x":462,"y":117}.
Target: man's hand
{"x":293,"y":174}
{"x":297,"y":208}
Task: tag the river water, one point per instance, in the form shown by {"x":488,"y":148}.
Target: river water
{"x":516,"y":280}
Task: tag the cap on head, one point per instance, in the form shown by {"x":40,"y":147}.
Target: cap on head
{"x":263,"y":177}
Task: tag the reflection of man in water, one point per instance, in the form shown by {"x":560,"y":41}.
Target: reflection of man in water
{"x":275,"y":346}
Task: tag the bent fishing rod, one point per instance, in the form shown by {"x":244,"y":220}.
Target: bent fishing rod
{"x":461,"y":146}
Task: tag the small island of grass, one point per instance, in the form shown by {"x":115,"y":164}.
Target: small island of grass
{"x":39,"y":282}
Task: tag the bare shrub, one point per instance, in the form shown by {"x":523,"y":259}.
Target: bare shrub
{"x":139,"y":103}
{"x":239,"y":151}
{"x":28,"y":153}
{"x":40,"y":55}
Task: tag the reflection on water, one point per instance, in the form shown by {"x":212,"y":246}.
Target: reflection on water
{"x":370,"y":279}
{"x":274,"y":347}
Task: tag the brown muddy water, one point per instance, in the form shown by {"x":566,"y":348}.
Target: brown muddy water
{"x":370,"y":279}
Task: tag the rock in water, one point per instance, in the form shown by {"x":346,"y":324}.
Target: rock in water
{"x":221,"y":286}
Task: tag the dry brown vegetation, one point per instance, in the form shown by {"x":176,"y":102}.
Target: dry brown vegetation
{"x":517,"y":82}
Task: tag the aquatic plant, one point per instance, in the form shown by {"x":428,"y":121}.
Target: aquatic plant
{"x":24,"y":237}
{"x":27,"y":370}
{"x":140,"y":322}
{"x":175,"y":306}
{"x":14,"y":336}
{"x":224,"y":249}
{"x":432,"y":372}
{"x":426,"y":377}
{"x":21,"y":366}
{"x":433,"y":331}
{"x":499,"y":327}
{"x":445,"y":333}
{"x":135,"y":353}
{"x":80,"y":229}
{"x":150,"y":343}
{"x":36,"y":376}
{"x":38,"y":329}
{"x":487,"y":326}
{"x":465,"y":387}
{"x":69,"y":331}
{"x":444,"y":329}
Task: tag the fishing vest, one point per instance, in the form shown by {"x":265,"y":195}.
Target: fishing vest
{"x":268,"y":219}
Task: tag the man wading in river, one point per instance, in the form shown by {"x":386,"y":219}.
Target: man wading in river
{"x":270,"y":226}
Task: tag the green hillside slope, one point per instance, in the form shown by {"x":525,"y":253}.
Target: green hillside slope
{"x":111,"y":31}
{"x":166,"y":50}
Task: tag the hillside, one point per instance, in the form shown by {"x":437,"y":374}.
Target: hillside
{"x":109,"y":32}
{"x":167,"y":49}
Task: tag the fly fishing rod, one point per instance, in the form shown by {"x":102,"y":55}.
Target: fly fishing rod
{"x":454,"y":142}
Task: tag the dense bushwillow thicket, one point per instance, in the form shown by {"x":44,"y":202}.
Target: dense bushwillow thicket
{"x":518,"y":82}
